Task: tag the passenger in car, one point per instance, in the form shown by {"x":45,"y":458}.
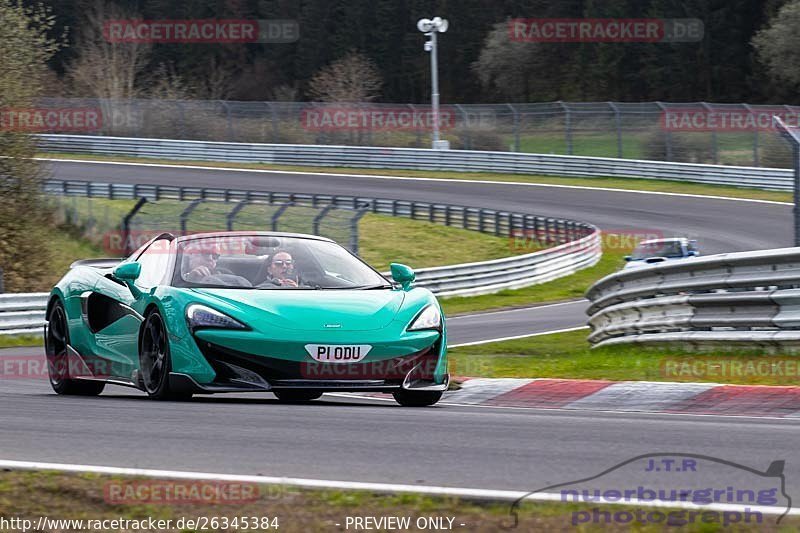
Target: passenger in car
{"x":280,"y":270}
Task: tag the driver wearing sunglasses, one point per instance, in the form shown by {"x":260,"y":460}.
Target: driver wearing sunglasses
{"x":281,"y":270}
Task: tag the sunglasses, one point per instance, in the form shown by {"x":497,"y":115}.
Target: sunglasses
{"x":283,"y":262}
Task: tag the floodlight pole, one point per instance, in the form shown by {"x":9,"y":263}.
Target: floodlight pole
{"x":434,"y":88}
{"x":794,"y":139}
{"x":430,"y":27}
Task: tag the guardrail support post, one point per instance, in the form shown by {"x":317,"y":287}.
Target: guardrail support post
{"x":354,"y":227}
{"x":277,"y":214}
{"x":230,"y":217}
{"x":187,"y":212}
{"x":126,"y":224}
{"x":318,"y":219}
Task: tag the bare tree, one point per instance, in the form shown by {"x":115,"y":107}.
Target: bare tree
{"x":104,"y":69}
{"x":508,"y":68}
{"x":353,"y":78}
{"x":778,"y":46}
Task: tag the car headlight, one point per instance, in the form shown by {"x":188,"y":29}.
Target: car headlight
{"x":200,"y":316}
{"x":429,"y":318}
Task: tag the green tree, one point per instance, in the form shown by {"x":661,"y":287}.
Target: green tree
{"x":25,"y":48}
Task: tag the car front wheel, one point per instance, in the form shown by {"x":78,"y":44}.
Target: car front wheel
{"x":56,"y":342}
{"x":154,"y":360}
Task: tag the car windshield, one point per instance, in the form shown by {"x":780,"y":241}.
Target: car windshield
{"x":271,"y":263}
{"x":657,"y":249}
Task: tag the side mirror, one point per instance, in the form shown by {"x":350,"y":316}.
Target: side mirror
{"x":402,"y":274}
{"x":628,"y":257}
{"x":128,"y":272}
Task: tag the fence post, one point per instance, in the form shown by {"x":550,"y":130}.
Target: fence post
{"x":516,"y":127}
{"x":567,"y":126}
{"x":466,"y":129}
{"x":618,"y":123}
{"x":714,"y":139}
{"x":227,"y":109}
{"x":756,"y":158}
{"x":667,"y":134}
{"x":273,"y":121}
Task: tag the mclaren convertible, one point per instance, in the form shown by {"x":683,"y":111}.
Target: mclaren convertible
{"x":294,"y":315}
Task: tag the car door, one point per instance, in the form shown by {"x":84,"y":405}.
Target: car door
{"x":114,"y":313}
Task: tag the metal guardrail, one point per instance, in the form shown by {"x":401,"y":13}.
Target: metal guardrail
{"x":574,"y":245}
{"x":747,"y":299}
{"x":420,"y":159}
{"x":22,"y":313}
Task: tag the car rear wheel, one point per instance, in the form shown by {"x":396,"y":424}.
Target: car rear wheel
{"x":296,"y":396}
{"x":55,"y":342}
{"x":408,"y":398}
{"x":155,"y":362}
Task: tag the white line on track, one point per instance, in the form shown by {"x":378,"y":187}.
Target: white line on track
{"x":391,"y":488}
{"x":501,"y":339}
{"x":410,"y":178}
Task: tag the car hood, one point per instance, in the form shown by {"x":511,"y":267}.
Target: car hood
{"x":327,"y":310}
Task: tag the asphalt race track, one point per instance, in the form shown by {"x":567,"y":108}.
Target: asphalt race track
{"x":719,"y":225}
{"x":340,"y":438}
{"x":367,"y":440}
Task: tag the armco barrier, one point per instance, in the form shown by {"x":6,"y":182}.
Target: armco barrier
{"x":22,"y":313}
{"x":575,"y":245}
{"x":420,"y":159}
{"x":748,"y":299}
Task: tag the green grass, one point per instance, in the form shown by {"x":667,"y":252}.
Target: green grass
{"x":607,"y":182}
{"x":64,"y":247}
{"x":568,"y":356}
{"x":30,"y":495}
{"x":382,"y":239}
{"x":566,"y":288}
{"x":13,"y":341}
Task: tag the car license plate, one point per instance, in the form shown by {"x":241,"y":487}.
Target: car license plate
{"x":338,"y":353}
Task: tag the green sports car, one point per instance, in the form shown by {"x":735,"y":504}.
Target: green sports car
{"x":294,"y":315}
